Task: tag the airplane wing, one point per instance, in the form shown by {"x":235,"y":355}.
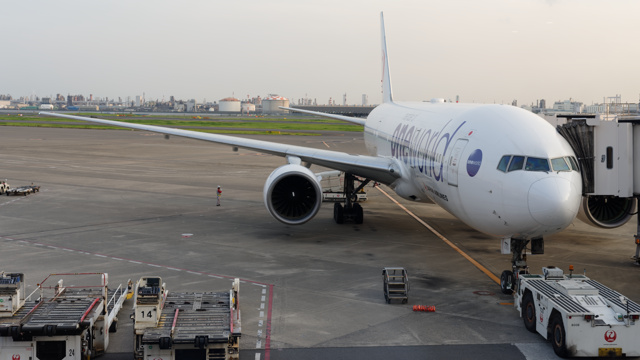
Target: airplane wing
{"x":350,"y":119}
{"x":380,"y":169}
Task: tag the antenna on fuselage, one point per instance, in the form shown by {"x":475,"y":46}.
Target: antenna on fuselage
{"x":387,"y":95}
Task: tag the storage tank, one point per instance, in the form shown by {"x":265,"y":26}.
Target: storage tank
{"x":248,"y":108}
{"x":229,"y":104}
{"x":272,"y":103}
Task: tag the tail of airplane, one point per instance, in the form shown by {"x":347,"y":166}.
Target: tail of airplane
{"x":387,"y":96}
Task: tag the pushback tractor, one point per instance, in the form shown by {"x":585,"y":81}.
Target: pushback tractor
{"x":580,"y":316}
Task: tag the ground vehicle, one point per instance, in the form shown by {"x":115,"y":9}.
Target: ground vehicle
{"x":23,"y":190}
{"x":395,"y":284}
{"x":194,"y":326}
{"x":70,"y":322}
{"x":580,"y":316}
{"x":333,"y":187}
{"x":4,"y":187}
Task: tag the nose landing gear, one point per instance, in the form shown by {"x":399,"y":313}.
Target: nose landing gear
{"x":517,"y":248}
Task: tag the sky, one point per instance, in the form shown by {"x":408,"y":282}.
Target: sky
{"x":489,"y":51}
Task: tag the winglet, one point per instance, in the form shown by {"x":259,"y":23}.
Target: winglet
{"x":387,"y":96}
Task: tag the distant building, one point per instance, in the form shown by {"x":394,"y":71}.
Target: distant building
{"x":272,"y":103}
{"x":565,"y":107}
{"x":191,"y":105}
{"x":365,"y":100}
{"x":229,"y":105}
{"x":248,"y":108}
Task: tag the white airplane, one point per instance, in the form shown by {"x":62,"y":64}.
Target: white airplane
{"x":502,"y":170}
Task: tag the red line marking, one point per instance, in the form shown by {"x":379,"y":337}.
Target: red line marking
{"x":267,"y":341}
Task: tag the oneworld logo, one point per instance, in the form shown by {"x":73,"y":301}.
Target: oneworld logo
{"x":473,"y":162}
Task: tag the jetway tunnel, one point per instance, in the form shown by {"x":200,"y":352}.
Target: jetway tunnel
{"x":605,"y":146}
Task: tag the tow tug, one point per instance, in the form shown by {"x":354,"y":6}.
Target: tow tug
{"x":580,"y":316}
{"x":70,"y":322}
{"x":181,"y":326}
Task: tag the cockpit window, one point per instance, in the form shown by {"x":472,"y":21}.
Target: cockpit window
{"x":504,"y":162}
{"x":573,"y":162}
{"x":537,"y":164}
{"x":510,"y":163}
{"x":559,"y":164}
{"x":516,"y":163}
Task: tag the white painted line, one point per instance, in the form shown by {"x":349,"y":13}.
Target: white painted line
{"x":154,"y":265}
{"x":68,"y":250}
{"x":262,"y":306}
{"x":264,"y":291}
{"x":263,"y":298}
{"x":217,"y":277}
{"x":259,"y":332}
{"x":102,"y":256}
{"x":174,"y":269}
{"x":260,"y":322}
{"x":258,"y":344}
{"x":194,"y":273}
{"x":257,"y":356}
{"x":261,"y":314}
{"x":115,"y":258}
{"x":135,"y":262}
{"x":53,"y":247}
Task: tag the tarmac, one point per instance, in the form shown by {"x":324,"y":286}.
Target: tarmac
{"x":132,"y":204}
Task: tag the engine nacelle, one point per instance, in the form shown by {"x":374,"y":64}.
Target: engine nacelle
{"x":606,"y":211}
{"x":292,"y":194}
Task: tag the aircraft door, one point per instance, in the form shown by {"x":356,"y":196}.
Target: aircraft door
{"x":454,"y":161}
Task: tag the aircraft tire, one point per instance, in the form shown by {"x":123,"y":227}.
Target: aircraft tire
{"x":506,"y":282}
{"x":338,"y":213}
{"x":359,"y":213}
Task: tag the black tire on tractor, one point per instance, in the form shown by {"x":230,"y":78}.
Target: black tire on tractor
{"x":529,"y":312}
{"x":558,"y":336}
{"x":114,"y":326}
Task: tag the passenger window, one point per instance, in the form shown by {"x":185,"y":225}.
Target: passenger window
{"x":559,"y":164}
{"x":537,"y":164}
{"x":504,"y":162}
{"x":516,"y":163}
{"x":574,"y":163}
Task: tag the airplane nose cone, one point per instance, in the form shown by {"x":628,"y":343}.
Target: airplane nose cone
{"x":553,"y":201}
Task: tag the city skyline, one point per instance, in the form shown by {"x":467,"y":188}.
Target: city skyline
{"x":494,"y":51}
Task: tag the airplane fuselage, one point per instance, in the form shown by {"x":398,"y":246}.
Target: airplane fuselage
{"x":459,"y":156}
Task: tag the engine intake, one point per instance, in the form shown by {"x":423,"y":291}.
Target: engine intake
{"x":606,"y":211}
{"x":292,"y":194}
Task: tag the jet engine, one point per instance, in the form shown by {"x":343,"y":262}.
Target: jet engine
{"x":606,"y":211}
{"x":292,"y":194}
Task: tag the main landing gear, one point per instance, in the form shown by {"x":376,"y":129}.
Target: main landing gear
{"x":517,"y":248}
{"x":351,"y":209}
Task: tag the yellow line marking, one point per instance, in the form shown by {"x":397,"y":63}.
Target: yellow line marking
{"x":452,"y":245}
{"x":325,"y":144}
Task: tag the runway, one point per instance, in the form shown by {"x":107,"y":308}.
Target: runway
{"x":132,"y":203}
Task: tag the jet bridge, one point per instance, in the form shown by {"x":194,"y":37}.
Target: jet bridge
{"x":605,"y":145}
